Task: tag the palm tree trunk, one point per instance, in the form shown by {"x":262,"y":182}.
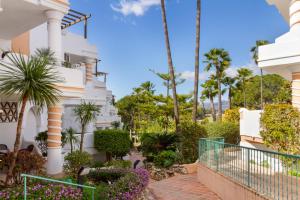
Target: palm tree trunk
{"x":261,"y":90}
{"x":17,"y":141}
{"x":212,"y":106}
{"x":196,"y":81}
{"x":82,"y":137}
{"x":71,"y":143}
{"x":229,"y":97}
{"x":170,"y":63}
{"x":219,"y":97}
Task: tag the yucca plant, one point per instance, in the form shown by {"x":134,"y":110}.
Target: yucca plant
{"x":33,"y":80}
{"x":85,"y":113}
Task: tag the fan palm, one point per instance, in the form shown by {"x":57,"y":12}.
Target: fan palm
{"x":170,"y":64}
{"x":71,"y":137}
{"x":85,"y":113}
{"x":218,"y":60}
{"x":254,"y":51}
{"x":243,"y":75}
{"x":33,"y":80}
{"x":196,"y":79}
{"x":209,"y":91}
{"x":229,"y":82}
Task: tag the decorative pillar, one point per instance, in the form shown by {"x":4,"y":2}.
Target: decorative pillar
{"x":296,"y":89}
{"x":54,"y":156}
{"x":294,"y":12}
{"x":54,"y":19}
{"x":89,"y":65}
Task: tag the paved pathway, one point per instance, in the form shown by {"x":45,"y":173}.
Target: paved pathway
{"x":183,"y":187}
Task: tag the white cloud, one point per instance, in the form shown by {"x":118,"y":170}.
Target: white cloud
{"x":134,"y":7}
{"x":189,"y":75}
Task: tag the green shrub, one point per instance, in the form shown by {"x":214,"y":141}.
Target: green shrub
{"x":165,"y":159}
{"x":229,"y":131}
{"x":125,"y":164}
{"x":74,"y":161}
{"x":190,"y":133}
{"x":106,"y":175}
{"x":114,"y":142}
{"x":232,"y":115}
{"x":153,"y":143}
{"x":281,"y":128}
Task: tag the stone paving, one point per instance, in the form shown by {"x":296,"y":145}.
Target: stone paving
{"x":182,"y":187}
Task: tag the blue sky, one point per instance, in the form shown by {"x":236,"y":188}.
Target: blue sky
{"x":129,"y":36}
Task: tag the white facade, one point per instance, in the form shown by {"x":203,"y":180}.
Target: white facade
{"x":39,"y":24}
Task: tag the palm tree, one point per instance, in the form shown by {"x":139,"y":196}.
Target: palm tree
{"x":170,"y":63}
{"x":229,"y":82}
{"x":254,"y":51}
{"x":71,"y":137}
{"x":209,"y":92}
{"x":85,"y":113}
{"x":196,"y":80}
{"x":243,"y":75}
{"x":33,"y":79}
{"x":219,"y":60}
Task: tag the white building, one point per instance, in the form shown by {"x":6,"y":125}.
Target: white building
{"x":30,"y":24}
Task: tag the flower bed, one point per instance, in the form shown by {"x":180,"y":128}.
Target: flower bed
{"x":43,"y":191}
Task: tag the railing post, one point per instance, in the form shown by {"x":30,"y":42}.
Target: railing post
{"x":248,"y":166}
{"x":25,"y":187}
{"x":93,"y":194}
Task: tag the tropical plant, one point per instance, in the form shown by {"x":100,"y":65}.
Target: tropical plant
{"x":114,"y":142}
{"x":74,"y":161}
{"x":209,"y":92}
{"x":71,"y":137}
{"x":85,"y":113}
{"x":219,"y":60}
{"x":165,"y":159}
{"x":229,"y":82}
{"x":243,"y":75}
{"x":196,"y":79}
{"x":33,"y":80}
{"x":254,"y":51}
{"x":170,"y":64}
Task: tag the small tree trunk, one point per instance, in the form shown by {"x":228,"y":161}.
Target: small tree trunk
{"x":219,"y":97}
{"x":17,"y":141}
{"x":170,"y":63}
{"x":212,"y":106}
{"x":229,"y":97}
{"x":196,"y":79}
{"x":108,"y":156}
{"x":71,"y":143}
{"x":82,"y":137}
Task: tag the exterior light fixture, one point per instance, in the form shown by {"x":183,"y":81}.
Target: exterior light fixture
{"x":1,"y":9}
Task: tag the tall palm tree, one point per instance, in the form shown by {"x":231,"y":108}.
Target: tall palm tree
{"x":218,"y":60}
{"x":71,"y":137}
{"x":209,"y":91}
{"x":196,"y":80}
{"x":254,"y":51}
{"x":33,"y":80}
{"x":229,"y":82}
{"x":243,"y":75}
{"x":85,"y":113}
{"x":170,"y":63}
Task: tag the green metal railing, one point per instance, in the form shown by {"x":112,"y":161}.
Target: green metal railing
{"x":26,"y":176}
{"x":272,"y":174}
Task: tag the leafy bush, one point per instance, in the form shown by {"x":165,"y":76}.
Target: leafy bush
{"x":229,"y":131}
{"x":232,"y":115}
{"x":281,"y":128}
{"x":27,"y":163}
{"x":190,"y":133}
{"x":165,"y":159}
{"x":45,"y":191}
{"x":74,"y":161}
{"x":106,"y":175}
{"x":114,"y":142}
{"x":125,"y":164}
{"x":153,"y":143}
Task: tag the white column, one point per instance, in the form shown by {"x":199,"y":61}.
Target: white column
{"x":294,"y":12}
{"x":89,"y":67}
{"x":54,"y":18}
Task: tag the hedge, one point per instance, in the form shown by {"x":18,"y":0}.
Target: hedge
{"x":229,"y":131}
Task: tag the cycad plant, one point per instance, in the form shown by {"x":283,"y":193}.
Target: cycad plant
{"x":33,"y":80}
{"x":85,"y":113}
